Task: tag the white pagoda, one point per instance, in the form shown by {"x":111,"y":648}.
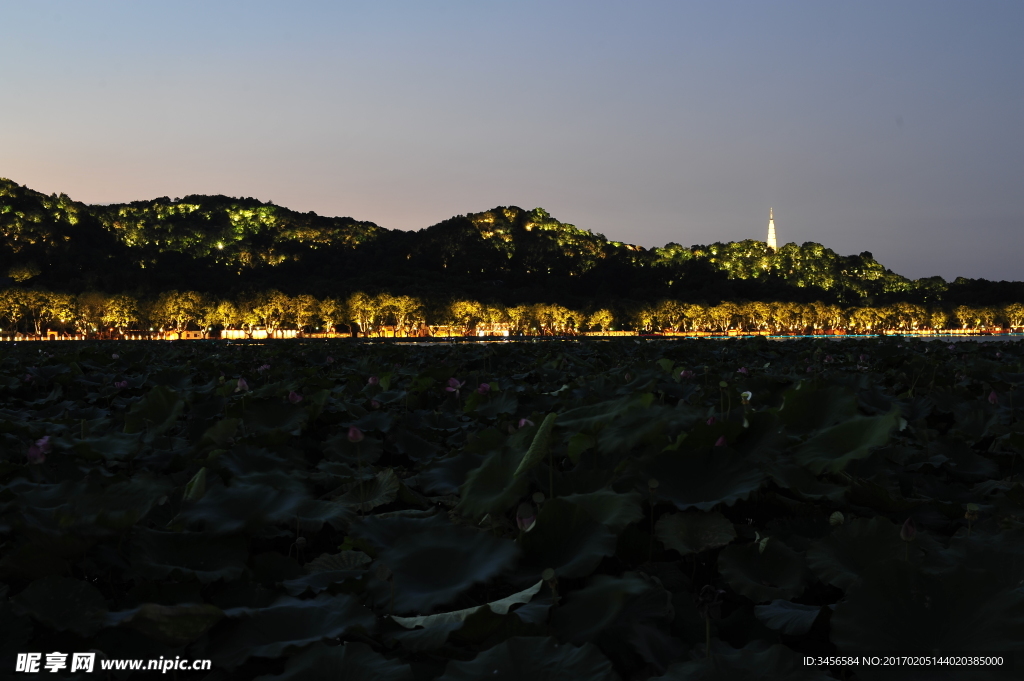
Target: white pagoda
{"x":771,"y":231}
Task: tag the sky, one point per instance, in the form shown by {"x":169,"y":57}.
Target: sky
{"x":891,"y":127}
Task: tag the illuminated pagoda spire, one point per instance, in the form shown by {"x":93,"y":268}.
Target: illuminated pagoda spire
{"x":771,"y":231}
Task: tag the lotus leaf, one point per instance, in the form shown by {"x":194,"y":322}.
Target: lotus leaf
{"x":63,"y":604}
{"x":269,"y":631}
{"x":534,"y":659}
{"x":694,"y":531}
{"x":704,"y":479}
{"x":320,"y":662}
{"x":567,"y":539}
{"x":431,"y":560}
{"x":771,"y":573}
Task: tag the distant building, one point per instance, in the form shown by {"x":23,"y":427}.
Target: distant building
{"x":771,"y":231}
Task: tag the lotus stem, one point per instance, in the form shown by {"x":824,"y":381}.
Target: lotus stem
{"x":707,"y":635}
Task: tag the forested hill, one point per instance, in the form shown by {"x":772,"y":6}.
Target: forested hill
{"x":227,"y":245}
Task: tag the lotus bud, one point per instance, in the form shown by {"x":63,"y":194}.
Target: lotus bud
{"x":242,"y":386}
{"x":972,"y":512}
{"x":44,"y":445}
{"x":115,"y":356}
{"x":300,"y":543}
{"x":538,"y":497}
{"x":627,"y":377}
{"x":373,"y":380}
{"x":909,"y":530}
{"x":686,"y":375}
{"x":263,"y":367}
{"x":354,"y":434}
{"x":375,"y":404}
{"x":652,"y":484}
{"x":525,"y":422}
{"x":742,"y":370}
{"x":999,"y":355}
{"x":836,"y":518}
{"x":330,"y":360}
{"x":993,"y":398}
{"x":483,"y":388}
{"x":36,"y":455}
{"x":721,"y":441}
{"x":453,"y":385}
{"x":711,"y":421}
{"x":828,"y":359}
{"x":745,"y":396}
{"x":294,"y":397}
{"x":526,"y":517}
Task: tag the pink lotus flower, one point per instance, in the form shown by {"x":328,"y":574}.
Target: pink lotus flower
{"x":828,"y":359}
{"x":908,"y":530}
{"x":863,"y":358}
{"x":742,"y":370}
{"x":373,"y":380}
{"x":686,"y":374}
{"x":721,"y":441}
{"x":28,"y":378}
{"x":454,"y":384}
{"x":526,"y":517}
{"x":330,"y":360}
{"x":354,"y":434}
{"x":263,"y":367}
{"x":999,"y":355}
{"x":115,"y":356}
{"x":375,"y":404}
{"x":484,"y":388}
{"x":294,"y":397}
{"x":993,"y":398}
{"x":950,"y":346}
{"x":242,"y":386}
{"x":38,"y":451}
{"x":120,"y":385}
{"x":711,"y":421}
{"x":525,"y":422}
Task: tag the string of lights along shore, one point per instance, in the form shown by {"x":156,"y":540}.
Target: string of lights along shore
{"x":771,"y":230}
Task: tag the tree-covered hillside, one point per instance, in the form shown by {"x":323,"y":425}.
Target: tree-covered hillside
{"x":229,"y":245}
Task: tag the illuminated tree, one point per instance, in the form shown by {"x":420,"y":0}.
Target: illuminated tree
{"x":361,"y":309}
{"x":12,"y":306}
{"x":61,"y":308}
{"x":90,"y":309}
{"x":600,"y":320}
{"x":223,"y":313}
{"x":307,"y":310}
{"x":332,"y":312}
{"x":178,"y":310}
{"x":272,"y":309}
{"x":1014,"y":315}
{"x":121,"y":311}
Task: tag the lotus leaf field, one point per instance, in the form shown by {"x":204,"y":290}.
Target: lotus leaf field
{"x":623,"y":509}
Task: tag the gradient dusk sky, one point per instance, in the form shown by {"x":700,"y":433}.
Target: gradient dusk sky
{"x":893,"y":127}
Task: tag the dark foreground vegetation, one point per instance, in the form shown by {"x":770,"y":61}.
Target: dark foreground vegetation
{"x":603,"y":510}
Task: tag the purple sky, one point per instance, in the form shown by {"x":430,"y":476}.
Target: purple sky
{"x":894,"y":127}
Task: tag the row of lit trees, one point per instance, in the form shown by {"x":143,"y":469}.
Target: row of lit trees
{"x":35,"y":310}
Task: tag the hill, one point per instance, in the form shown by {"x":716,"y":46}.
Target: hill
{"x":508,"y":254}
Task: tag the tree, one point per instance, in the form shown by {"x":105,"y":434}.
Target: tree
{"x":332,"y":312}
{"x":178,"y":310}
{"x":273,"y":309}
{"x":121,"y":311}
{"x":89,"y":311}
{"x":12,"y":306}
{"x":600,"y":320}
{"x":306,"y":310}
